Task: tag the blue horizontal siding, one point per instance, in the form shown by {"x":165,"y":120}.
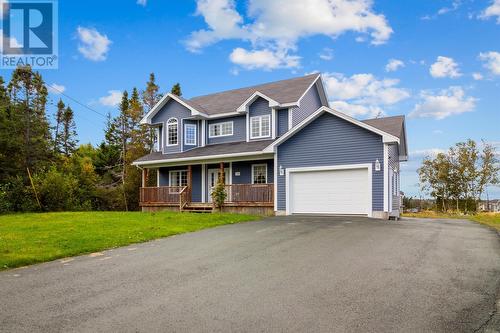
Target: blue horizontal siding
{"x":239,"y":130}
{"x":282,"y":122}
{"x":196,"y":173}
{"x":308,"y":105}
{"x":394,"y":164}
{"x":245,"y":170}
{"x":172,"y":109}
{"x":330,"y":140}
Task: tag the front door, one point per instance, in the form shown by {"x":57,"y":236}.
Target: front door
{"x":213,"y":175}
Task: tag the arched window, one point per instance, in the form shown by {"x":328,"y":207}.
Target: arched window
{"x":172,"y":131}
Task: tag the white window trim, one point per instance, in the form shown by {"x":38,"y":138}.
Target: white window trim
{"x":195,"y":135}
{"x":221,"y":135}
{"x":168,"y":130}
{"x":260,"y":136}
{"x":253,"y":173}
{"x":170,"y":172}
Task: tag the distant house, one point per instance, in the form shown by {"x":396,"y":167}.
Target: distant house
{"x":281,"y":150}
{"x":490,"y":206}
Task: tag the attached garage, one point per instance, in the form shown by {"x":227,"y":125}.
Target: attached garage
{"x":343,"y":190}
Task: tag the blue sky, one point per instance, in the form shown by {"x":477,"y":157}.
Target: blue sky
{"x":438,"y":62}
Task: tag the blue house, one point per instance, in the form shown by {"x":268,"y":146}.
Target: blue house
{"x":280,"y":150}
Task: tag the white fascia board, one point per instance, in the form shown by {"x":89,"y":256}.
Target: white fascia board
{"x":201,"y":158}
{"x":147,"y":118}
{"x":244,"y":107}
{"x":386,"y":137}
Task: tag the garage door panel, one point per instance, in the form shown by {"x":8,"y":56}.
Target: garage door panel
{"x":330,"y":191}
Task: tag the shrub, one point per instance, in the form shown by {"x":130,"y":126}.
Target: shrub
{"x":219,"y":192}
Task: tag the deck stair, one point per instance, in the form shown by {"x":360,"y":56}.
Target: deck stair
{"x":194,"y":207}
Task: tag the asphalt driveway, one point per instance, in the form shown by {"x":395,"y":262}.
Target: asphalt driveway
{"x":333,"y":274}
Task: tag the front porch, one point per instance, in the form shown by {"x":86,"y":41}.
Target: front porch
{"x":188,"y":188}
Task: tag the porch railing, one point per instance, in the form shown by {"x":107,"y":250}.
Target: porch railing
{"x":161,"y":194}
{"x":250,"y":193}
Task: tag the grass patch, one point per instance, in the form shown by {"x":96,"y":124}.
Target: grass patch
{"x":490,"y":219}
{"x":32,"y":238}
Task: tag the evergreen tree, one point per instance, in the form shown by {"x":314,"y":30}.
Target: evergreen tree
{"x":176,"y":89}
{"x":68,"y":135}
{"x":150,"y":96}
{"x":28,"y":95}
{"x":57,"y":133}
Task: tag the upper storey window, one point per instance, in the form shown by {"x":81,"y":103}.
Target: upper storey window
{"x":220,"y":129}
{"x":172,"y":132}
{"x":190,"y":135}
{"x":260,"y":127}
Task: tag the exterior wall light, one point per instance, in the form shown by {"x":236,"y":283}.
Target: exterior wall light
{"x":282,"y":171}
{"x":377,"y":165}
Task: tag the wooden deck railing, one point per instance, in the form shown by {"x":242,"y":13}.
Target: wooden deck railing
{"x":160,"y":194}
{"x":244,"y":194}
{"x":250,"y":193}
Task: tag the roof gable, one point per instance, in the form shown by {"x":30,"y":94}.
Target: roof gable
{"x":386,"y":137}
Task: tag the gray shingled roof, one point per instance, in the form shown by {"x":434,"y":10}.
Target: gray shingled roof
{"x":210,"y":150}
{"x":392,"y":125}
{"x":285,"y":91}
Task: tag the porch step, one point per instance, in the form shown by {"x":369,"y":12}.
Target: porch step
{"x":198,"y":208}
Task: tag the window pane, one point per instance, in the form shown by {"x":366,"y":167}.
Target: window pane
{"x":259,"y":174}
{"x":265,"y":128}
{"x":172,"y":132}
{"x":190,"y":134}
{"x":255,"y":127}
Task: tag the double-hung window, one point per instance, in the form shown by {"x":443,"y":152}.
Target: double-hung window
{"x":260,"y":127}
{"x":259,"y":173}
{"x":156,"y":139}
{"x":177,"y":178}
{"x":220,"y":129}
{"x":190,"y":135}
{"x":172,"y":132}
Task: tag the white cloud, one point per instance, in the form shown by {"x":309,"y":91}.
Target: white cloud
{"x":444,"y":67}
{"x":364,"y":88}
{"x":437,"y":132}
{"x":447,"y":102}
{"x":263,"y":59}
{"x":142,"y":2}
{"x":93,"y":45}
{"x":454,"y":6}
{"x":326,"y":54}
{"x":12,"y":41}
{"x":492,"y":11}
{"x":362,"y":94}
{"x":357,"y":110}
{"x":477,"y":76}
{"x":56,"y":89}
{"x":278,"y":25}
{"x":427,"y":152}
{"x":393,"y":65}
{"x":492,"y":61}
{"x":112,"y":99}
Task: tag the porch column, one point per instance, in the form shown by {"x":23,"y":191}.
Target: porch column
{"x":190,"y":181}
{"x":221,"y":172}
{"x":144,"y":177}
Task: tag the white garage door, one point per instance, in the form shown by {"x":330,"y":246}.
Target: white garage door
{"x":345,"y":191}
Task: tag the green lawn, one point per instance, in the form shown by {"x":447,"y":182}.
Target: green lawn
{"x":490,"y":219}
{"x":38,"y":237}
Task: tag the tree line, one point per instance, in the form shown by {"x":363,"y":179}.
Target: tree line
{"x":44,"y":168}
{"x":457,"y":179}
